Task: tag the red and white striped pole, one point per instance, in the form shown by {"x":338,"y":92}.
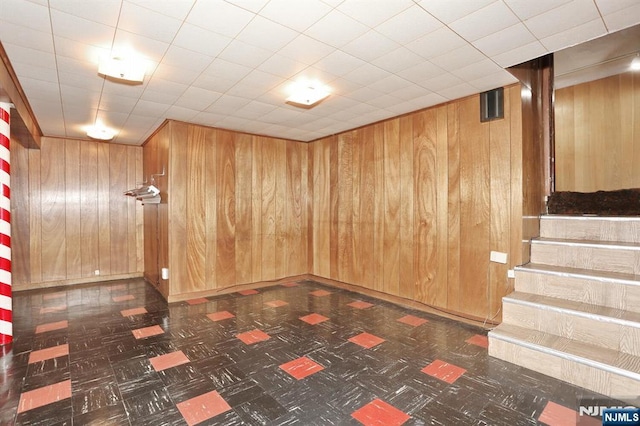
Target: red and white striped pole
{"x":6,"y":323}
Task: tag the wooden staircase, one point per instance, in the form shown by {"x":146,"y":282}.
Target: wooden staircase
{"x":575,"y":311}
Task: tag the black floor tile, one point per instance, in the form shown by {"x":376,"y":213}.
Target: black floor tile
{"x":114,"y":383}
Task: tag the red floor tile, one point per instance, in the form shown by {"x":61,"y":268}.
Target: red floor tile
{"x":479,"y":340}
{"x":248,"y":292}
{"x":58,"y":325}
{"x":254,"y":336}
{"x":444,"y":371}
{"x":197,"y":301}
{"x":314,"y":319}
{"x":301,"y":367}
{"x":197,"y":410}
{"x":559,"y":415}
{"x":52,"y":309}
{"x":57,"y":295}
{"x":320,"y":293}
{"x":219,"y":316}
{"x":359,"y":304}
{"x":142,"y":333}
{"x":49,"y":353}
{"x":44,"y":396}
{"x":123,"y":298}
{"x":412,"y":320}
{"x":162,"y":362}
{"x":379,"y":413}
{"x":291,"y":284}
{"x":276,"y":303}
{"x":133,"y":311}
{"x":366,"y":340}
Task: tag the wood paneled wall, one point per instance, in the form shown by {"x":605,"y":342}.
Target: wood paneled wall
{"x":413,"y":206}
{"x":237,"y":209}
{"x":598,"y":134}
{"x":69,"y":215}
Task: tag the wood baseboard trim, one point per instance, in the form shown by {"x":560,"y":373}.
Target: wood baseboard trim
{"x":407,"y":303}
{"x":181,"y":297}
{"x":74,"y":282}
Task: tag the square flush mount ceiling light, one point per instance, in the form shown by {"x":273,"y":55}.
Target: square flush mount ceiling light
{"x":122,"y":69}
{"x":100,"y":133}
{"x":307,"y":95}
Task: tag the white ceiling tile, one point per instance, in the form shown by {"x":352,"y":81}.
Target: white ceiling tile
{"x":244,"y":54}
{"x":174,"y":8}
{"x":77,"y":97}
{"x":211,"y":82}
{"x":82,"y":30}
{"x":390,"y":84}
{"x":477,"y":70}
{"x":408,"y":25}
{"x":370,"y":46}
{"x":15,"y":11}
{"x":458,"y":58}
{"x":175,"y":74}
{"x":148,"y":23}
{"x":226,"y":103}
{"x":159,"y":90}
{"x":86,"y":55}
{"x":250,"y":5}
{"x":373,"y":13}
{"x":521,"y":54}
{"x":366,"y":74}
{"x":149,"y":109}
{"x":40,"y":89}
{"x":186,"y":59}
{"x":491,"y":81}
{"x":398,"y":59}
{"x":119,"y":89}
{"x":412,"y":92}
{"x":562,"y":18}
{"x":139,"y":46}
{"x":207,"y":118}
{"x":26,"y":56}
{"x":220,"y":17}
{"x":385,"y":101}
{"x":363,"y":94}
{"x":440,"y":82}
{"x":262,"y":80}
{"x":282,"y":66}
{"x":297,"y":15}
{"x":526,"y":9}
{"x":23,"y":36}
{"x":104,"y":11}
{"x":342,"y":86}
{"x":281,"y":115}
{"x":112,"y":118}
{"x":421,"y":72}
{"x":256,"y":32}
{"x":622,"y":18}
{"x":36,"y":72}
{"x":336,"y":29}
{"x":228,"y":70}
{"x":339,"y":63}
{"x":245,"y":91}
{"x":448,"y":11}
{"x":197,"y":98}
{"x":254,"y":110}
{"x":494,"y":17}
{"x":306,"y":50}
{"x":574,"y":35}
{"x":436,"y":43}
{"x":87,"y":81}
{"x":176,"y":112}
{"x":457,"y":92}
{"x":122,"y":104}
{"x":200,"y":40}
{"x":505,"y":40}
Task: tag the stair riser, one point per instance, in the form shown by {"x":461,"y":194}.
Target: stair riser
{"x":597,"y":258}
{"x":604,"y":293}
{"x":590,"y":229}
{"x":610,"y":335}
{"x":586,"y":376}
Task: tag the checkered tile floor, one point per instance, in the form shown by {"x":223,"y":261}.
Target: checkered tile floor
{"x":298,"y":353}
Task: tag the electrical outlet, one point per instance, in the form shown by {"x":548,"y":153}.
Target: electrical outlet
{"x":498,"y":257}
{"x":96,"y":272}
{"x":511,"y":273}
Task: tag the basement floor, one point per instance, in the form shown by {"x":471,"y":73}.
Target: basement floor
{"x":298,"y":353}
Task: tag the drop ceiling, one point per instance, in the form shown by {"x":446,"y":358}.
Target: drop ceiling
{"x":229,"y":64}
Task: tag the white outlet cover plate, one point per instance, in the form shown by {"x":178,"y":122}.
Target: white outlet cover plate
{"x":498,"y":257}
